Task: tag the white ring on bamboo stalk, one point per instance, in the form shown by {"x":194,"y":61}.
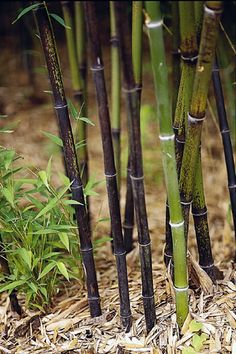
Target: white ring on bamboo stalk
{"x":225,"y":131}
{"x":191,"y":59}
{"x":148,"y":297}
{"x":179,"y":290}
{"x":77,"y":187}
{"x":207,"y":266}
{"x":128,"y":226}
{"x":98,"y":68}
{"x":136,"y":178}
{"x":176,"y":225}
{"x":167,"y":137}
{"x":180,"y":141}
{"x":200,"y":214}
{"x":212,"y":12}
{"x":119,"y":254}
{"x":233,"y":186}
{"x":110,"y":176}
{"x":87,"y":250}
{"x":192,"y":119}
{"x":61,"y":107}
{"x":186,"y":203}
{"x":129,"y":90}
{"x":146,"y":244}
{"x":167,"y":255}
{"x":154,"y":24}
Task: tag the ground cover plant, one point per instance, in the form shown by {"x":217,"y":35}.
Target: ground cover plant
{"x":65,"y":274}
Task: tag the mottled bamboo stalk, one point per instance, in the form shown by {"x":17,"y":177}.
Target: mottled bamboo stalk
{"x":136,"y":175}
{"x":167,"y":137}
{"x":53,"y":66}
{"x":225,"y":134}
{"x":109,"y":164}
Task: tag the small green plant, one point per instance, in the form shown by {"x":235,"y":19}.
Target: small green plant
{"x":38,"y":231}
{"x":198,"y":339}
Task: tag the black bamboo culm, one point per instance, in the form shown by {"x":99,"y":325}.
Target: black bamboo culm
{"x":225,"y":134}
{"x":109,"y":163}
{"x":15,"y":306}
{"x":52,"y":61}
{"x":136,"y":175}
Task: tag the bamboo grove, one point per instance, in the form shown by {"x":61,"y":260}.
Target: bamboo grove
{"x":180,"y":115}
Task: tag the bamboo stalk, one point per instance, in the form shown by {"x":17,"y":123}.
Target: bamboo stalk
{"x":78,"y":87}
{"x":137,"y":22}
{"x":136,"y":175}
{"x":115,"y":93}
{"x":160,"y":73}
{"x":225,"y":134}
{"x":109,"y":164}
{"x":53,"y":66}
{"x":196,"y":115}
{"x":175,"y":52}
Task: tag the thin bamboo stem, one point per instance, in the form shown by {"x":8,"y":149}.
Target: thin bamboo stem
{"x":109,"y":164}
{"x":137,"y":177}
{"x":160,"y":73}
{"x":225,"y":134}
{"x":53,"y":66}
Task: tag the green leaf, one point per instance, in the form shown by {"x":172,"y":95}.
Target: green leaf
{"x":71,"y":202}
{"x":188,"y":350}
{"x":6,"y":131}
{"x":43,"y":290}
{"x":48,"y":207}
{"x":90,"y":192}
{"x":47,"y":269}
{"x":12,"y":285}
{"x":49,"y":169}
{"x":33,"y":287}
{"x":72,"y":109}
{"x":195,"y":326}
{"x":62,"y":269}
{"x":54,"y":138}
{"x":43,"y":176}
{"x":25,"y":11}
{"x":59,"y":20}
{"x":9,"y":195}
{"x":198,"y":341}
{"x":64,"y":240}
{"x":86,"y":120}
{"x":26,"y":256}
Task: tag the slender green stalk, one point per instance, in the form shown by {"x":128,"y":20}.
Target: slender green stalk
{"x":53,"y":66}
{"x":225,"y":134}
{"x":137,"y":22}
{"x":109,"y":164}
{"x":175,"y":52}
{"x":196,"y":115}
{"x":115,"y":93}
{"x":136,"y":174}
{"x":78,"y":87}
{"x":160,"y":73}
{"x":198,"y":14}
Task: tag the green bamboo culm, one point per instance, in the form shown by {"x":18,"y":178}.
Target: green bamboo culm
{"x":196,"y":115}
{"x":160,"y":73}
{"x":109,"y":163}
{"x":175,"y":52}
{"x":115,"y":92}
{"x":137,"y":26}
{"x":189,"y":51}
{"x":61,"y":108}
{"x":78,"y":85}
{"x":136,"y":174}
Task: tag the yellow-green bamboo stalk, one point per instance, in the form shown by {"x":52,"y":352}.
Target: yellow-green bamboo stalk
{"x":154,"y":24}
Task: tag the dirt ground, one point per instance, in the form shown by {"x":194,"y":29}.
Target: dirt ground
{"x":68,"y":327}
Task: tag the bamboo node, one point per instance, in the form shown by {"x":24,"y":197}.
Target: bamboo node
{"x":137,"y":178}
{"x":93,"y":298}
{"x":76,"y":187}
{"x":127,"y":226}
{"x":119,"y":254}
{"x":186,"y":203}
{"x":179,"y":290}
{"x":180,"y":141}
{"x":154,"y":24}
{"x":110,"y":176}
{"x":211,"y":11}
{"x":167,"y":137}
{"x":199,"y":214}
{"x":195,"y":120}
{"x":148,"y":297}
{"x":86,"y":250}
{"x":207,"y":266}
{"x":97,"y":67}
{"x":176,"y":225}
{"x":232,"y":186}
{"x":189,"y":59}
{"x":144,"y":245}
{"x":134,"y":89}
{"x":61,"y":107}
{"x":225,"y":131}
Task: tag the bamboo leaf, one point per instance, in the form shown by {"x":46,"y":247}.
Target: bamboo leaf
{"x":43,"y":176}
{"x":26,"y":256}
{"x":25,"y":11}
{"x":86,"y":120}
{"x":198,"y":341}
{"x":9,"y":195}
{"x":62,"y":269}
{"x":12,"y":285}
{"x":195,"y":326}
{"x":64,"y":240}
{"x":73,"y":109}
{"x":59,"y":20}
{"x":47,"y":269}
{"x":48,"y":207}
{"x":71,"y":202}
{"x":54,"y":138}
{"x":33,"y":287}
